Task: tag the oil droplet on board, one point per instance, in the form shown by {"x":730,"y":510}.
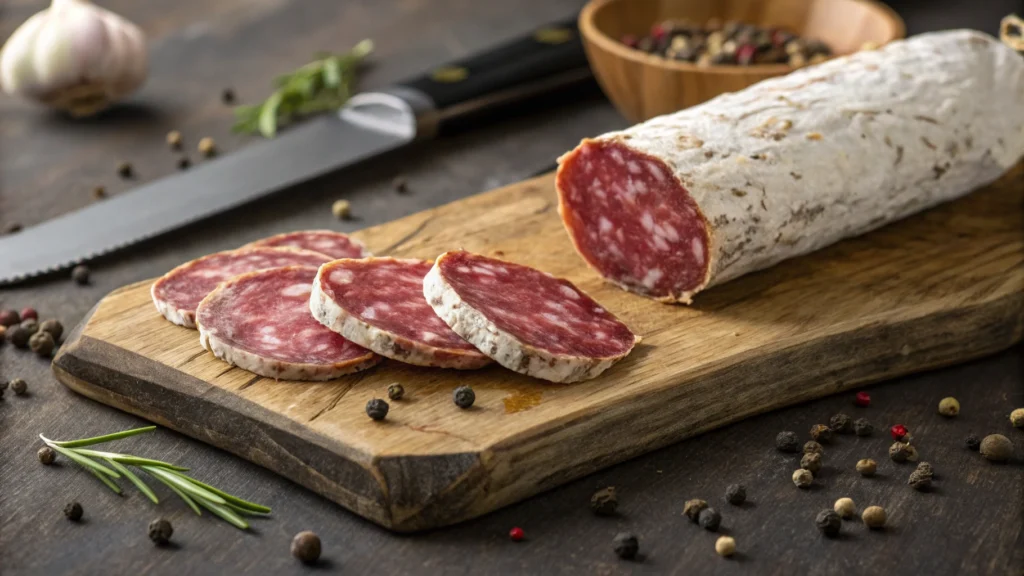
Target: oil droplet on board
{"x":520,"y":400}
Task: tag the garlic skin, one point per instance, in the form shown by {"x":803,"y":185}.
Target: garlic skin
{"x":74,"y":56}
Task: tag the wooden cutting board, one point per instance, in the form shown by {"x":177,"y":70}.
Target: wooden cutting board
{"x":939,"y":288}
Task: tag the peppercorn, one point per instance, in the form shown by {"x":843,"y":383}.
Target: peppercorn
{"x":124,"y":170}
{"x":626,"y":545}
{"x":709,"y":519}
{"x":802,"y":478}
{"x":227,"y":96}
{"x":207,"y":147}
{"x":306,"y":547}
{"x":973,"y":442}
{"x":862,"y":399}
{"x":377,"y":409}
{"x":862,"y":427}
{"x":31,"y":325}
{"x":812,"y":447}
{"x":899,"y":451}
{"x":845,"y":508}
{"x":341,"y":209}
{"x":160,"y":531}
{"x":1017,"y":418}
{"x":19,"y":335}
{"x":80,"y":274}
{"x":996,"y":447}
{"x":841,"y":423}
{"x":516,"y":534}
{"x":46,"y":455}
{"x":399,"y":184}
{"x":174,"y":140}
{"x":99,"y":193}
{"x":12,"y":228}
{"x":53,"y":327}
{"x":9,"y":318}
{"x":787,"y":442}
{"x":926,"y":468}
{"x":735,"y":494}
{"x":919,"y":481}
{"x":821,"y":433}
{"x":866,"y":467}
{"x":693,"y":508}
{"x":828,"y":522}
{"x":873,"y":517}
{"x":725,"y":546}
{"x":811,"y":462}
{"x":42,"y":343}
{"x":19,"y":386}
{"x":29,"y":314}
{"x":396,"y":391}
{"x":464,"y":397}
{"x":184,"y":163}
{"x":898,"y":431}
{"x":949,"y":407}
{"x":604,"y":502}
{"x":73,"y":511}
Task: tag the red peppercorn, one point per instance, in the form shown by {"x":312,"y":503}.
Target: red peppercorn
{"x":516,"y":534}
{"x":898,"y":432}
{"x":657,"y":31}
{"x":862,"y":399}
{"x":29,"y":314}
{"x":745,"y":54}
{"x":629,"y":40}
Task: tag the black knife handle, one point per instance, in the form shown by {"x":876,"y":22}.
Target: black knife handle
{"x":549,"y":58}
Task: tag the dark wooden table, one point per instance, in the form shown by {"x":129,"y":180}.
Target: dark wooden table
{"x":971,"y":523}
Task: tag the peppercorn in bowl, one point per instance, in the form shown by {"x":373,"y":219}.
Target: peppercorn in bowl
{"x":654,"y":57}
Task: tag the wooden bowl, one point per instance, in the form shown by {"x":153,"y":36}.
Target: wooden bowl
{"x":643,"y":85}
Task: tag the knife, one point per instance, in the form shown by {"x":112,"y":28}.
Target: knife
{"x":444,"y":99}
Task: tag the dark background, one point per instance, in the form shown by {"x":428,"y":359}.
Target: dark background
{"x":971,"y":523}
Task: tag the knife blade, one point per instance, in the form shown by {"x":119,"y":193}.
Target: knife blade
{"x":448,"y":98}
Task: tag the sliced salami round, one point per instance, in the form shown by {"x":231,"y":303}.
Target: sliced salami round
{"x":260,"y":322}
{"x":178,"y":293}
{"x":524,"y":319}
{"x":334,"y":244}
{"x":378,"y":303}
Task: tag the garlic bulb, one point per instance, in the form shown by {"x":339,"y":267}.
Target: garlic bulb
{"x":74,"y":56}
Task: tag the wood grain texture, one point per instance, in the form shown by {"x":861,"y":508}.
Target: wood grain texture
{"x":939,"y":288}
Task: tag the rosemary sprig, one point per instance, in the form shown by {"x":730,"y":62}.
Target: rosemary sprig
{"x":324,"y":84}
{"x":195,"y":493}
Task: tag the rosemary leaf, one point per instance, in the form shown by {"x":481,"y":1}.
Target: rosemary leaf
{"x":268,"y":115}
{"x":235,"y":500}
{"x":82,"y":460}
{"x":224,"y":512}
{"x":130,"y":460}
{"x":100,"y":439}
{"x":142,"y":486}
{"x":186,"y":486}
{"x":110,"y":483}
{"x":188,"y":499}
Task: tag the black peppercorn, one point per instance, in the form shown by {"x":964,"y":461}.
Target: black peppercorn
{"x":42,"y":343}
{"x":12,"y":228}
{"x":399,"y":184}
{"x":227,"y":96}
{"x":841,"y":423}
{"x":80,"y":274}
{"x":306,"y":547}
{"x":821,"y":433}
{"x":626,"y":545}
{"x":19,"y":386}
{"x":919,"y":480}
{"x":900,"y":451}
{"x":709,"y":519}
{"x":377,"y":409}
{"x":47,"y":455}
{"x":9,"y":318}
{"x":184,"y":163}
{"x":31,"y":325}
{"x":464,"y":397}
{"x":55,"y":328}
{"x":973,"y":442}
{"x":693,"y":508}
{"x":124,"y":170}
{"x":73,"y":511}
{"x":828,"y":522}
{"x":787,"y":442}
{"x":735,"y":494}
{"x":99,"y":193}
{"x":862,"y":427}
{"x":160,"y":531}
{"x":18,"y":336}
{"x":811,"y":462}
{"x":812,"y":447}
{"x":604,"y":502}
{"x":396,"y":391}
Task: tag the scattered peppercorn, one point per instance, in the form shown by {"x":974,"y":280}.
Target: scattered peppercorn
{"x":709,"y":519}
{"x":53,"y":327}
{"x":926,"y":468}
{"x":787,"y":442}
{"x":42,"y":343}
{"x":306,"y":547}
{"x":898,"y":431}
{"x":73,"y":511}
{"x":604,"y":502}
{"x":399,"y":184}
{"x":19,"y":386}
{"x":464,"y":396}
{"x":377,"y":409}
{"x":160,"y":531}
{"x":811,"y":462}
{"x":862,"y":427}
{"x":207,"y":147}
{"x":899,"y":451}
{"x":725,"y":546}
{"x":184,"y":163}
{"x":828,"y":522}
{"x":46,"y":455}
{"x":29,"y":314}
{"x":9,"y":318}
{"x":802,"y":478}
{"x":124,"y":170}
{"x":31,"y":325}
{"x":920,"y":481}
{"x":866,"y":467}
{"x":821,"y":433}
{"x":18,"y":336}
{"x":949,"y":407}
{"x":516,"y":534}
{"x":693,"y":508}
{"x":973,"y":442}
{"x":1017,"y":418}
{"x":396,"y":391}
{"x":626,"y":545}
{"x":80,"y":274}
{"x":812,"y":447}
{"x":227,"y":96}
{"x":341,"y":209}
{"x":873,"y":517}
{"x":99,"y":193}
{"x":996,"y":447}
{"x":845,"y":507}
{"x":174,"y":140}
{"x":841,"y":423}
{"x":862,"y":399}
{"x":735,"y":494}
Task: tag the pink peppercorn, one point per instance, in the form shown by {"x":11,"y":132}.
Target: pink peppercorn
{"x":745,"y":54}
{"x":629,"y":40}
{"x":898,"y":432}
{"x":516,"y":534}
{"x":29,"y":314}
{"x":862,"y":399}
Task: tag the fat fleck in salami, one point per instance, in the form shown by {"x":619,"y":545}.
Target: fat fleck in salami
{"x":378,"y":303}
{"x":178,"y":293}
{"x":692,"y":199}
{"x":334,"y":244}
{"x":260,"y":322}
{"x":524,"y":319}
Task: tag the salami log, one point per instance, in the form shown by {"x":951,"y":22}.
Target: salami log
{"x":378,"y":303}
{"x":334,"y":244}
{"x":524,"y":319}
{"x":260,"y":322}
{"x":178,"y":293}
{"x":681,"y":202}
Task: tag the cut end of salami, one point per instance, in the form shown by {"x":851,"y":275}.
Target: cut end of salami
{"x":334,"y":244}
{"x":261,"y":322}
{"x":524,"y":319}
{"x":378,"y":303}
{"x":178,"y":293}
{"x":633,"y":221}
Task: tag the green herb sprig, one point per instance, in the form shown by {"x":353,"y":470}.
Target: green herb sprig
{"x":195,"y":493}
{"x":322,"y":85}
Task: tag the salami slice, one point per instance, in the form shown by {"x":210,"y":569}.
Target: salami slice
{"x":524,"y":319}
{"x":178,"y":293}
{"x":685,"y":201}
{"x":260,"y":322}
{"x":334,"y":244}
{"x":378,"y":303}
